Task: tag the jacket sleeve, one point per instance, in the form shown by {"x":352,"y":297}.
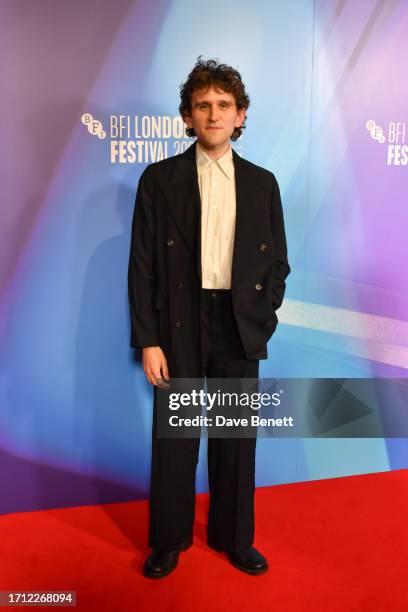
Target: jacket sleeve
{"x":141,"y":271}
{"x":282,"y":268}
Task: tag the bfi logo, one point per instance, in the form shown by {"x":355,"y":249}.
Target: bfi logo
{"x":397,"y":150}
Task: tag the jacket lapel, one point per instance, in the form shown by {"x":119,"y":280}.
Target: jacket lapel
{"x":245,"y":184}
{"x":185,"y":203}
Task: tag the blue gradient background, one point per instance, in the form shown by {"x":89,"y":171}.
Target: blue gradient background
{"x":75,"y":407}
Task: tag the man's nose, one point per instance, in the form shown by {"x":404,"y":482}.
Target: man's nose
{"x":213,"y":113}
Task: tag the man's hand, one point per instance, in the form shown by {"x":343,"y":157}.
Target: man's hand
{"x":155,"y":366}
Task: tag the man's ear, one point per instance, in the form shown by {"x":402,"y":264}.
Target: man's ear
{"x":187,"y":120}
{"x":241,"y":117}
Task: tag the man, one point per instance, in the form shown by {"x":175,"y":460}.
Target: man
{"x":207,"y":272}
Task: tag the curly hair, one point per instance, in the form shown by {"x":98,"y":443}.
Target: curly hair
{"x":211,"y":72}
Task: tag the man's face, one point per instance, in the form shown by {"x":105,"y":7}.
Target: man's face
{"x":214,"y":115}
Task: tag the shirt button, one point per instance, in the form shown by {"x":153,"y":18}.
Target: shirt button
{"x":214,"y":295}
{"x":263,"y":247}
{"x":214,"y":207}
{"x":170,"y":242}
{"x":178,"y":323}
{"x":215,"y":184}
{"x":258,"y":286}
{"x":180,"y":285}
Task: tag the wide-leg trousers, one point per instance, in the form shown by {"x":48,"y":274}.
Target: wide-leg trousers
{"x":231,"y":461}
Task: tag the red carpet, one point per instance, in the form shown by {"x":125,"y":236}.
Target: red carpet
{"x":332,"y":545}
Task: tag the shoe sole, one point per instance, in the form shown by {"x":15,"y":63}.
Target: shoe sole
{"x":161,"y":575}
{"x":249,"y":571}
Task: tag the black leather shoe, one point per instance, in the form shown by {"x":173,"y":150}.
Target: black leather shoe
{"x":250,"y":561}
{"x":161,"y":562}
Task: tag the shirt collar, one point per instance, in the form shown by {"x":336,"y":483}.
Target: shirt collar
{"x":224,"y":162}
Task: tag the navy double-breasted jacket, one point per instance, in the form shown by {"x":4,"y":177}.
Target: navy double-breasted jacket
{"x":164,"y":275}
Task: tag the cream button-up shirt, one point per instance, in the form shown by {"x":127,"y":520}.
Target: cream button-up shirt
{"x":216,"y":179}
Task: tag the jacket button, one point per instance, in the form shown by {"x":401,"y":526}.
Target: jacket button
{"x":180,"y":285}
{"x":269,"y":323}
{"x":263,"y":247}
{"x":178,"y":323}
{"x":170,"y":242}
{"x":258,"y":286}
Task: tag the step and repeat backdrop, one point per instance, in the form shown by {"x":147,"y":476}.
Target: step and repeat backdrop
{"x":90,"y":97}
